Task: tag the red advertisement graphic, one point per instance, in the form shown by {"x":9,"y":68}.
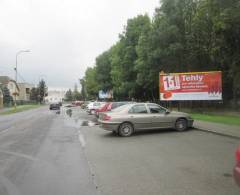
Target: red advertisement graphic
{"x":191,"y":86}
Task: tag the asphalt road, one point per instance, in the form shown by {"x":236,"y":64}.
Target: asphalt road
{"x":44,"y":153}
{"x":40,"y":154}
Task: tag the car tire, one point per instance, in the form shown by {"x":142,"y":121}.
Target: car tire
{"x":125,"y":129}
{"x":181,"y":125}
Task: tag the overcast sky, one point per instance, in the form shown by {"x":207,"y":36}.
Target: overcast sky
{"x":64,"y":36}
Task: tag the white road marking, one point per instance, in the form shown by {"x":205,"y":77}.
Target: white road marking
{"x":81,"y":139}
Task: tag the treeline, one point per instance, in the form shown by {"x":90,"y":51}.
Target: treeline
{"x":182,"y":36}
{"x":37,"y":94}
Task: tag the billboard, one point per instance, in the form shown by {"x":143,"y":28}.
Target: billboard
{"x":105,"y":95}
{"x":191,"y":86}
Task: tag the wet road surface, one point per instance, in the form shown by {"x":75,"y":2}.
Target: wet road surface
{"x":41,"y":154}
{"x":163,"y":162}
{"x":46,"y":153}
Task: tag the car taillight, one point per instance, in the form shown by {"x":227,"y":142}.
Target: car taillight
{"x":237,"y":154}
{"x":106,"y":117}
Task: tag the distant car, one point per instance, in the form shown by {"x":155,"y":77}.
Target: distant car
{"x":129,"y":118}
{"x":92,"y":106}
{"x":236,"y":170}
{"x":77,"y":103}
{"x":109,"y":106}
{"x":54,"y":106}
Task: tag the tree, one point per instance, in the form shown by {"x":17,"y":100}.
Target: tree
{"x":7,"y":98}
{"x":92,"y":86}
{"x":83,"y":88}
{"x":182,"y":36}
{"x":103,"y":71}
{"x":34,"y":94}
{"x":42,"y":90}
{"x":69,"y":95}
{"x":76,"y":93}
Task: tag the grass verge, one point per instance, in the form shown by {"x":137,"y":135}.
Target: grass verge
{"x":19,"y":109}
{"x":228,"y":120}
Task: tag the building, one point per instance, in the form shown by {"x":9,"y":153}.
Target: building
{"x":1,"y":98}
{"x":55,"y":96}
{"x":24,"y":91}
{"x":11,"y":84}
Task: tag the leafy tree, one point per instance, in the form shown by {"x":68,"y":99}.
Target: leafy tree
{"x":183,"y":35}
{"x":76,"y":93}
{"x":42,"y":90}
{"x":34,"y":94}
{"x":7,"y":98}
{"x":69,"y":95}
{"x":83,"y":88}
{"x":103,"y":71}
{"x":92,"y":86}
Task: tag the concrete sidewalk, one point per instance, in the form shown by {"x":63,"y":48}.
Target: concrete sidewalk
{"x":222,"y":129}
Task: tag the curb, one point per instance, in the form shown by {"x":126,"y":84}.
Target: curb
{"x":216,"y":133}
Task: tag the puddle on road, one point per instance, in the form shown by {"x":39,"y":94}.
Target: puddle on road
{"x":77,"y":122}
{"x":88,"y":123}
{"x":69,"y":112}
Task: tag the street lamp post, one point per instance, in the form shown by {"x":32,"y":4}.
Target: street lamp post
{"x":16,"y":69}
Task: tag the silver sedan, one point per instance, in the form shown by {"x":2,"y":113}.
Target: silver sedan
{"x":141,"y":116}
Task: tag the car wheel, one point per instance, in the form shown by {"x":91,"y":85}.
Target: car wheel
{"x":125,"y":130}
{"x":181,"y":125}
{"x":92,"y":112}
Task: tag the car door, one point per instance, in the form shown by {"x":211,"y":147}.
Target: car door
{"x":159,"y":118}
{"x":139,"y":116}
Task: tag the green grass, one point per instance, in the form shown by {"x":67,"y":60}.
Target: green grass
{"x":224,"y":119}
{"x":20,"y":109}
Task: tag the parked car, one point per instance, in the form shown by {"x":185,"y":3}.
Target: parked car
{"x":77,"y":103}
{"x":109,"y":106}
{"x":84,"y":105}
{"x":129,"y":118}
{"x":92,"y":106}
{"x":236,"y":170}
{"x":54,"y":106}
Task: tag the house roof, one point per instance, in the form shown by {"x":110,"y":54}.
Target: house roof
{"x":4,"y":79}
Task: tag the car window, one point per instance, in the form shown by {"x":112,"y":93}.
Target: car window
{"x":119,"y":109}
{"x":138,"y":109}
{"x":156,"y":109}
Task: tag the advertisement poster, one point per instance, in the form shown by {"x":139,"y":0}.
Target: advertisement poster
{"x":105,"y":95}
{"x":191,"y":86}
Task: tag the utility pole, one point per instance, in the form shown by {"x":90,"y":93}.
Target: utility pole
{"x":16,"y":69}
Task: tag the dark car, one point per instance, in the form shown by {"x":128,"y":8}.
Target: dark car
{"x":236,"y":171}
{"x":55,"y":106}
